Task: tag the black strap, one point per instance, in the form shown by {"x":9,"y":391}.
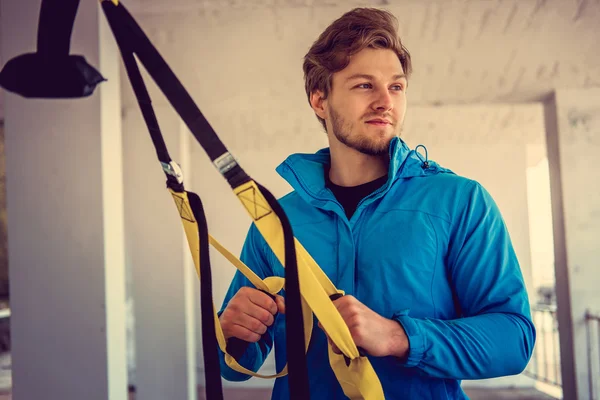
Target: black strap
{"x":55,"y":29}
{"x":142,"y":95}
{"x":51,"y":72}
{"x":120,"y":19}
{"x":131,"y":39}
{"x":294,"y":324}
{"x":210,"y":346}
{"x":132,"y":36}
{"x":214,"y":389}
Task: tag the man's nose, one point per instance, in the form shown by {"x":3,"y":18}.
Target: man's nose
{"x":383,"y":102}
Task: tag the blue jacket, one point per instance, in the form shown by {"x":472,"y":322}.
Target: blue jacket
{"x":430,"y":250}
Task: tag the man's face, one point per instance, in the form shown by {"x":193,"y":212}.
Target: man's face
{"x":367,"y":103}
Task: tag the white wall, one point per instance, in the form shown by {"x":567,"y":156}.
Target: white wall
{"x":157,"y":269}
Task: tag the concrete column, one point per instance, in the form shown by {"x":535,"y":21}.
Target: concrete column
{"x":573,"y":137}
{"x":65,"y":223}
{"x":163,"y":285}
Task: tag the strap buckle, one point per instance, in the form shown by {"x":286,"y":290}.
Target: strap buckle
{"x":173,"y":169}
{"x":225,"y":162}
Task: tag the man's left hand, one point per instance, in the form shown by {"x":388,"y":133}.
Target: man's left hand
{"x":376,"y":335}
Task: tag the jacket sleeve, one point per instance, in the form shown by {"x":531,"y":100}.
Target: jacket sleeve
{"x":494,"y":336}
{"x":256,"y":353}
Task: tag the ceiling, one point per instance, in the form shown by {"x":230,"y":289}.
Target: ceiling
{"x":463,"y":51}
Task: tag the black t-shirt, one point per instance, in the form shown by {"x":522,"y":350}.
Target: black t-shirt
{"x":350,"y":196}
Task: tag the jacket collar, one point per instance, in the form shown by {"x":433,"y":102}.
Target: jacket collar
{"x":306,"y":172}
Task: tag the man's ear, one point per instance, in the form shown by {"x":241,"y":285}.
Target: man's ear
{"x":318,"y":102}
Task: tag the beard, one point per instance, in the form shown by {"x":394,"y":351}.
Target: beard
{"x":376,"y":145}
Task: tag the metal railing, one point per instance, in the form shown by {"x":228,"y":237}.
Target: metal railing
{"x":592,"y":322}
{"x":545,"y":360}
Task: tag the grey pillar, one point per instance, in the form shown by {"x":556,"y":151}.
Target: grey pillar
{"x":65,"y":223}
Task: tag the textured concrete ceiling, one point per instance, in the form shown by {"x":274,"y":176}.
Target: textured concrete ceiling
{"x":464,"y":51}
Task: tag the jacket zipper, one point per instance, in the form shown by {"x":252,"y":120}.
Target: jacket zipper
{"x":355,"y":245}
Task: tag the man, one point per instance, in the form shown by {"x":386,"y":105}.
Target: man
{"x":434,"y":289}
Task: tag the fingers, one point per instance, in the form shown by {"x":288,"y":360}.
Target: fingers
{"x":252,"y":324}
{"x":243,"y":333}
{"x":346,"y":303}
{"x":350,"y":309}
{"x":259,"y":313}
{"x":280,"y":301}
{"x":261,"y":299}
{"x":248,"y":315}
{"x":334,"y":348}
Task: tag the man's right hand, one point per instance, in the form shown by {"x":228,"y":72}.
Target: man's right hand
{"x":249,"y":313}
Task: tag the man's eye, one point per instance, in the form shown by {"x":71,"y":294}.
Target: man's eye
{"x":398,"y":87}
{"x":364,"y":86}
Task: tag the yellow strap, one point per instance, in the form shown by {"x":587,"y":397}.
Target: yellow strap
{"x":272,"y":285}
{"x":358,"y":379}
